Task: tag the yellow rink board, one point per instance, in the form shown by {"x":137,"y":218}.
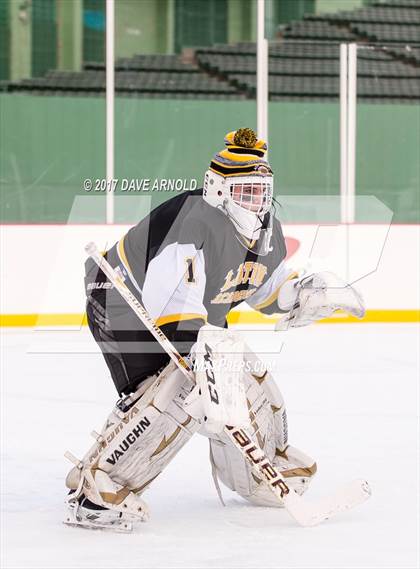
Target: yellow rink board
{"x":235,"y":317}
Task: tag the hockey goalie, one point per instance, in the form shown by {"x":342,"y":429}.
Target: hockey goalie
{"x":189,"y":262}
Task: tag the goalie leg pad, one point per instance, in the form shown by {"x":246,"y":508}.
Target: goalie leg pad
{"x":136,"y":443}
{"x":269,"y":428}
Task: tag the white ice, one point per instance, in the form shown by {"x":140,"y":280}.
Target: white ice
{"x":352,"y":398}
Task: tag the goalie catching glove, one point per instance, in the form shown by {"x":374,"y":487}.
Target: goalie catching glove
{"x":314,"y":297}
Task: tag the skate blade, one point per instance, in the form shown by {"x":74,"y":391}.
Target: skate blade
{"x":119,"y":526}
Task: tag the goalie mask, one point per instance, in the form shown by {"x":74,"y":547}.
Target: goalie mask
{"x":240,"y":183}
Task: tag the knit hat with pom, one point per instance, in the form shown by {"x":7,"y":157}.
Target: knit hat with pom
{"x":243,"y":155}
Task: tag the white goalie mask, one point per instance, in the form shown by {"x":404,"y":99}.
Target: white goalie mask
{"x":244,"y":199}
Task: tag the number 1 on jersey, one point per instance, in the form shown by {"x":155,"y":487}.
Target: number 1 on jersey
{"x":190,"y":273}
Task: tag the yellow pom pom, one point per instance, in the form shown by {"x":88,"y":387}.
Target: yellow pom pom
{"x":245,"y":137}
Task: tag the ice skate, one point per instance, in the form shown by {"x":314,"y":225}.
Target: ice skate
{"x":83,"y":513}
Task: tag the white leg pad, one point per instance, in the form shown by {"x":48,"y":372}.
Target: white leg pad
{"x":135,"y":446}
{"x":269,"y":429}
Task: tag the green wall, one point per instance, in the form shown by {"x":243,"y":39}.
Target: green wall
{"x":44,"y":36}
{"x":49,"y":145}
{"x":337,"y":5}
{"x":388,"y":164}
{"x":241,"y":20}
{"x":69,"y":35}
{"x":4,"y":41}
{"x":289,"y":10}
{"x":20,"y":40}
{"x":142,"y":27}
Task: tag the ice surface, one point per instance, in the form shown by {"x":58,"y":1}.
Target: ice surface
{"x":352,"y":398}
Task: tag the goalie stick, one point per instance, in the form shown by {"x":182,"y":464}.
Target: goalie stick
{"x":304,"y":512}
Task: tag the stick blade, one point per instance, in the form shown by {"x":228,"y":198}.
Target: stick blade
{"x":311,"y":514}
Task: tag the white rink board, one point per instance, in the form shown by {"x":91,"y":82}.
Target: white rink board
{"x":42,"y":266}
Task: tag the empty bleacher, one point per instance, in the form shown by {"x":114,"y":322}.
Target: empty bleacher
{"x":395,"y":24}
{"x":141,"y":75}
{"x":381,"y":14}
{"x":318,"y":31}
{"x":370,"y":64}
{"x":305,"y":71}
{"x":303,"y":63}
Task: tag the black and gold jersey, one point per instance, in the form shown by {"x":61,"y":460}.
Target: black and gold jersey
{"x":187,"y":261}
{"x":188,"y":265}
